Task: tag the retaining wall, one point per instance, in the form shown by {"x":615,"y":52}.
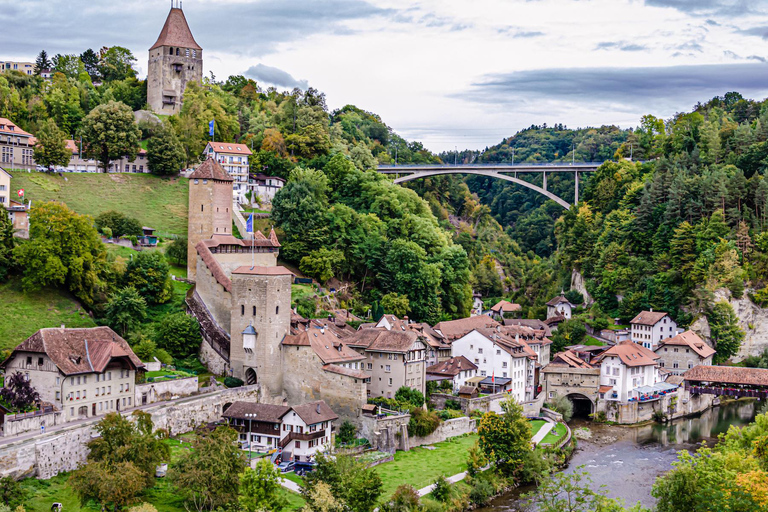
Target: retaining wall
{"x":486,"y":403}
{"x":165,"y":390}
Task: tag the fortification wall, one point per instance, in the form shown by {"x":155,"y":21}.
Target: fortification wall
{"x":164,"y":390}
{"x":216,"y":299}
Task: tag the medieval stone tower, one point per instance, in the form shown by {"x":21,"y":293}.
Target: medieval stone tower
{"x":210,"y":200}
{"x":174,"y":60}
{"x":261,"y":317}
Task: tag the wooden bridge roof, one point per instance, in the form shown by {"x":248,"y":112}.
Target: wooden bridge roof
{"x":727,"y":375}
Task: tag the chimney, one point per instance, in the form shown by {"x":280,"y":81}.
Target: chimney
{"x":405,"y":319}
{"x":285,"y":401}
{"x":317,"y":410}
{"x":651,"y":310}
{"x":322,"y":330}
{"x":62,"y":326}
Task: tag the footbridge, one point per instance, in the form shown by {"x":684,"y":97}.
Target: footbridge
{"x":727,"y":381}
{"x":507,"y":172}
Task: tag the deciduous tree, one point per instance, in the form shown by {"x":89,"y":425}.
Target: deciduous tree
{"x":506,"y":439}
{"x":260,"y":488}
{"x":51,"y":148}
{"x":165,"y":154}
{"x":110,"y":133}
{"x":125,"y":310}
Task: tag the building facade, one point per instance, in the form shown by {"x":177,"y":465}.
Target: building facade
{"x":264,"y":187}
{"x":16,"y":146}
{"x":234,"y":159}
{"x":174,"y":61}
{"x":81,"y":372}
{"x":625,"y":367}
{"x":680,"y":353}
{"x":78,"y":162}
{"x":569,"y":375}
{"x":28,"y":68}
{"x":649,"y":328}
{"x":456,"y":370}
{"x":560,"y":306}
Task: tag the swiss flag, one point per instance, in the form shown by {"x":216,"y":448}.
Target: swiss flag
{"x":493,"y":378}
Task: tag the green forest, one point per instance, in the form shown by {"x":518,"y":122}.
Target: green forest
{"x":676,"y":212}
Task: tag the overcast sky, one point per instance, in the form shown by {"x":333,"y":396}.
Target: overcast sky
{"x":450,"y":73}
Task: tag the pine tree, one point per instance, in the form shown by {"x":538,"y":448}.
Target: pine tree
{"x":42,"y":62}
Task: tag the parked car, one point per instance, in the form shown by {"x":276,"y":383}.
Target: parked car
{"x":302,"y":468}
{"x":286,"y":467}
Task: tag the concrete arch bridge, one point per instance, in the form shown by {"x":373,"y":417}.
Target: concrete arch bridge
{"x":507,"y":172}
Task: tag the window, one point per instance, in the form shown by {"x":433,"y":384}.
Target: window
{"x":504,"y":364}
{"x":479,"y":350}
{"x":277,"y":310}
{"x":390,"y":381}
{"x":254,"y":310}
{"x":298,"y":445}
{"x":498,"y":352}
{"x":674,"y":365}
{"x":29,"y":360}
{"x":58,"y":395}
{"x":242,"y":310}
{"x":388,"y":369}
{"x":39,"y":361}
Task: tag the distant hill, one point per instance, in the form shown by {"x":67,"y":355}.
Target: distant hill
{"x":156,"y":202}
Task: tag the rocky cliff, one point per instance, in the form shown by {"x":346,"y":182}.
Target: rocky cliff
{"x":579,"y":284}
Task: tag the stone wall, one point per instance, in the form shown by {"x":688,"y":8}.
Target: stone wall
{"x":165,"y":390}
{"x":216,"y":364}
{"x":19,"y":424}
{"x":487,"y":403}
{"x":307,"y":381}
{"x":673,"y":405}
{"x":387,"y":434}
{"x":46,"y":455}
{"x":214,"y":297}
{"x":446,"y":430}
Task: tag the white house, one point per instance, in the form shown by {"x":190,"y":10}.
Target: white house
{"x":299,"y":432}
{"x":560,"y":306}
{"x":234,"y":159}
{"x":625,"y":367}
{"x":650,"y":327}
{"x":498,"y":355}
{"x":477,"y":304}
{"x":455,"y":369}
{"x":264,"y":187}
{"x":307,"y":430}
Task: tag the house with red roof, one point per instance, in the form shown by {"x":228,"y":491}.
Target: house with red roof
{"x":233,"y":158}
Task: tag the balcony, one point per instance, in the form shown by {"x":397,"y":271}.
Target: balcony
{"x":301,"y":437}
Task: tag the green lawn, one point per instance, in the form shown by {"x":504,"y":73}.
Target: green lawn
{"x":246,"y":211}
{"x":551,"y":438}
{"x":419,"y":467}
{"x":536,"y":426}
{"x":293,"y":477}
{"x":301,"y":290}
{"x":592,"y":342}
{"x":160,"y":203}
{"x":618,"y":327}
{"x":23,"y":313}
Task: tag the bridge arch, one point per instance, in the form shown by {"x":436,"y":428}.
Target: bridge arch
{"x":492,"y":174}
{"x":583,"y":406}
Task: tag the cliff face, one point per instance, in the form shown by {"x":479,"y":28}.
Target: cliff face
{"x":753,"y":320}
{"x":579,"y":284}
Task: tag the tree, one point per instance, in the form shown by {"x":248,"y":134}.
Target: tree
{"x":91,"y":62}
{"x":12,"y":493}
{"x":165,"y":154}
{"x":347,"y":432}
{"x":42,"y":62}
{"x":208,"y":476}
{"x":321,"y":499}
{"x":563,"y":405}
{"x":177,"y":251}
{"x":570,"y":332}
{"x":179,"y":334}
{"x":110,"y":133}
{"x":726,"y":334}
{"x":150,"y":275}
{"x":125,"y":310}
{"x":144,"y":349}
{"x":574,"y":492}
{"x":506,"y":439}
{"x":18,"y":394}
{"x":119,"y":224}
{"x":353,"y":484}
{"x":442,"y":491}
{"x":68,"y":65}
{"x":51,"y":148}
{"x":260,"y":488}
{"x":395,"y":304}
{"x":117,"y":64}
{"x":64,"y":249}
{"x":115,"y":484}
{"x":410,"y":396}
{"x":322,"y":264}
{"x":7,"y":244}
{"x":404,"y":499}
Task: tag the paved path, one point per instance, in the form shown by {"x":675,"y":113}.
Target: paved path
{"x":290,"y":485}
{"x":543,"y":431}
{"x":451,"y":480}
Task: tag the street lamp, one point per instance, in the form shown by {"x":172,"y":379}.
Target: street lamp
{"x":250,"y":417}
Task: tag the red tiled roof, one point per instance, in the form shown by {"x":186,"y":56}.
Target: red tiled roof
{"x":689,"y":339}
{"x":176,"y":32}
{"x":604,"y":389}
{"x":326,"y":344}
{"x":452,"y":366}
{"x":83,"y":350}
{"x":230,"y":148}
{"x":648,"y":317}
{"x":506,"y":307}
{"x":558,"y":300}
{"x":213,"y":265}
{"x":210,"y":170}
{"x":454,"y":329}
{"x":569,"y":358}
{"x":728,"y":375}
{"x":393,"y":341}
{"x":631,"y":354}
{"x":263,"y":271}
{"x":9,"y":127}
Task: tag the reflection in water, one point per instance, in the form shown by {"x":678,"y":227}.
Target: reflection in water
{"x":627,"y":460}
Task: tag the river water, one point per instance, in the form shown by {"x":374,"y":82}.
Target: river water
{"x":627,"y":460}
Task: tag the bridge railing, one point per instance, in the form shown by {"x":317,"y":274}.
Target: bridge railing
{"x":487,"y":164}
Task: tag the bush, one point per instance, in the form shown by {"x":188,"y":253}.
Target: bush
{"x":598,"y":324}
{"x":453,"y":404}
{"x":233,"y":382}
{"x":410,"y":396}
{"x":422,"y":423}
{"x":481,"y":492}
{"x":118,"y":224}
{"x":179,"y":334}
{"x":347,"y":432}
{"x":563,"y":405}
{"x":659,"y":416}
{"x":449,"y":414}
{"x":442,"y":491}
{"x":405,"y":499}
{"x":574,"y":297}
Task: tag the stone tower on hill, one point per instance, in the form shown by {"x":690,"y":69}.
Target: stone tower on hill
{"x":210,"y":200}
{"x":174,"y":60}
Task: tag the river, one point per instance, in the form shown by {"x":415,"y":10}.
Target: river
{"x":627,"y":460}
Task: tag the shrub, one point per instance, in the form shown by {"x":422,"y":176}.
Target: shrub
{"x":233,"y":382}
{"x":449,"y":414}
{"x":347,"y":432}
{"x":442,"y":491}
{"x":481,"y":492}
{"x":405,"y":499}
{"x":453,"y":404}
{"x":574,"y":297}
{"x":563,"y":405}
{"x":659,"y":416}
{"x":422,"y":423}
{"x":600,"y":417}
{"x":410,"y":396}
{"x":107,"y":232}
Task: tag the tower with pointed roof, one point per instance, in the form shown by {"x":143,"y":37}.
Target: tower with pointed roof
{"x":174,"y":60}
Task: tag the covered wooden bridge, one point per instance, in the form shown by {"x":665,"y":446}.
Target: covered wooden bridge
{"x":731,"y":381}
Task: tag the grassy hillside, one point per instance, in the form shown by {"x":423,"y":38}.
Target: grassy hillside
{"x":25,"y":313}
{"x":160,"y":203}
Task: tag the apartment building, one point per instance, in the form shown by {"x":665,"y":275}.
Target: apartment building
{"x":16,"y":146}
{"x":28,"y":68}
{"x":624,"y":368}
{"x":78,"y":162}
{"x":264,"y":187}
{"x":649,"y":328}
{"x":234,"y":158}
{"x":83,"y":372}
{"x":680,"y":353}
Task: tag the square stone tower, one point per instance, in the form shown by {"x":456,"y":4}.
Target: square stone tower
{"x":174,"y":60}
{"x":261,"y":317}
{"x":210,"y":208}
